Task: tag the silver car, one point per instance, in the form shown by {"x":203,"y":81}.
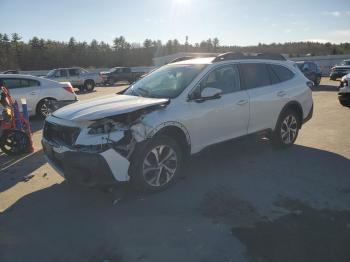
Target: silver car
{"x":78,"y":77}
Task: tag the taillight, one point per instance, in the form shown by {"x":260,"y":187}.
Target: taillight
{"x":69,"y":88}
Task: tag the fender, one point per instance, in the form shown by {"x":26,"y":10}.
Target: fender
{"x":290,"y":104}
{"x":171,"y":123}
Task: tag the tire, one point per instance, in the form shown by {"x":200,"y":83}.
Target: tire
{"x":151,"y":175}
{"x":110,"y":81}
{"x":89,"y":85}
{"x":287,"y":129}
{"x":344,"y":103}
{"x":317,"y":81}
{"x":14,"y":142}
{"x":44,"y":108}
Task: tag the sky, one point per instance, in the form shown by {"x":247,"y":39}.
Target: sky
{"x":233,"y":22}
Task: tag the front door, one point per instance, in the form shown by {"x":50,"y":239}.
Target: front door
{"x":215,"y":120}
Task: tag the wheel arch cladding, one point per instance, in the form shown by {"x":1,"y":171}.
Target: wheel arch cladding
{"x":296,"y":107}
{"x":178,"y":133}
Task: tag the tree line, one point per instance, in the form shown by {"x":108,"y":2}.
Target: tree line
{"x":41,"y":54}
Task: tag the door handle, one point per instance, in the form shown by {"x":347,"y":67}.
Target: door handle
{"x":281,"y":93}
{"x":33,"y":93}
{"x":242,"y":102}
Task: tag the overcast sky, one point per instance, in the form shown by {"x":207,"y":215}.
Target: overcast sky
{"x":234,"y":22}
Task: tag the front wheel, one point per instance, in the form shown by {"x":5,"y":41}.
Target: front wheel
{"x":287,"y":129}
{"x":89,"y":85}
{"x":157,"y":165}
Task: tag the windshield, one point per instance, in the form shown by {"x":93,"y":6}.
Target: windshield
{"x":166,"y":82}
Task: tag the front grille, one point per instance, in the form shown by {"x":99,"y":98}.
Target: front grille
{"x":61,"y":134}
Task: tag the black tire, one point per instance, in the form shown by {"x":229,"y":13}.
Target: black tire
{"x":44,"y":108}
{"x":344,"y":103}
{"x":142,"y":160}
{"x":14,"y":142}
{"x":284,"y":136}
{"x":89,"y":85}
{"x":110,"y":81}
{"x":317,"y":81}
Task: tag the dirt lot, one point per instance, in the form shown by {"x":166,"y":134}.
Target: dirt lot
{"x":242,"y":201}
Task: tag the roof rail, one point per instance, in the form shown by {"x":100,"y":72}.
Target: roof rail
{"x":241,"y":56}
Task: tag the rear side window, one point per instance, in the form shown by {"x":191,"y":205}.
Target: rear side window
{"x":282,"y":72}
{"x":73,"y":72}
{"x":126,"y":70}
{"x":12,"y":83}
{"x":254,"y":75}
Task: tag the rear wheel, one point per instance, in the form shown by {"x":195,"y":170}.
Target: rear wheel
{"x":89,"y":85}
{"x":317,"y":81}
{"x":157,"y":165}
{"x":287,"y":129}
{"x":44,"y":108}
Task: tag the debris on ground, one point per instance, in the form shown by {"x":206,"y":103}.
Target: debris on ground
{"x":115,"y":201}
{"x":27,"y":178}
{"x":45,"y":174}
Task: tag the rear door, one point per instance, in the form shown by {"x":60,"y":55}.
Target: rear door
{"x":267,"y":94}
{"x":23,"y":88}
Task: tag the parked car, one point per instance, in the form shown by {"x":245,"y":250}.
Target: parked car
{"x":340,"y":70}
{"x":78,"y":77}
{"x":10,"y":72}
{"x":311,"y":70}
{"x":38,"y":92}
{"x":117,"y":74}
{"x":144,"y":135}
{"x":344,"y":91}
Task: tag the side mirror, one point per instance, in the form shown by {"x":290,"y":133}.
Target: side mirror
{"x":210,"y":93}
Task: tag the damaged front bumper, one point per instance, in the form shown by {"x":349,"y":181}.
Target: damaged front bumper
{"x":87,"y":168}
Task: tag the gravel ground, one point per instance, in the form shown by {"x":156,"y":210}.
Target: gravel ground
{"x":239,"y":201}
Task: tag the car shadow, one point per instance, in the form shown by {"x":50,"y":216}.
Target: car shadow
{"x":14,"y":169}
{"x":84,"y":92}
{"x":161,"y":227}
{"x":329,"y":88}
{"x":36,"y":123}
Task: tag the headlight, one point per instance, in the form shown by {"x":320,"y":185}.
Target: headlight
{"x":103,"y":126}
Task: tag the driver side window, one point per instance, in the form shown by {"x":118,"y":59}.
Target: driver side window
{"x":225,"y":78}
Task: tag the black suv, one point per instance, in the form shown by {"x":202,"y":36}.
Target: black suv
{"x":340,"y":70}
{"x":117,"y":74}
{"x":311,"y":70}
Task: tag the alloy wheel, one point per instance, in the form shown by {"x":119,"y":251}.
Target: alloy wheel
{"x":289,"y":129}
{"x":159,"y":165}
{"x":45,"y":109}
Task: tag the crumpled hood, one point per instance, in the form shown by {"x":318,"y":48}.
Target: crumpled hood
{"x":106,"y":106}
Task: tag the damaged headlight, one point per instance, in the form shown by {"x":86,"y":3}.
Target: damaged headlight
{"x":104,"y":126}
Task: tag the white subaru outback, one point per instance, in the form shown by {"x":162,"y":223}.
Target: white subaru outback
{"x":145,"y":134}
